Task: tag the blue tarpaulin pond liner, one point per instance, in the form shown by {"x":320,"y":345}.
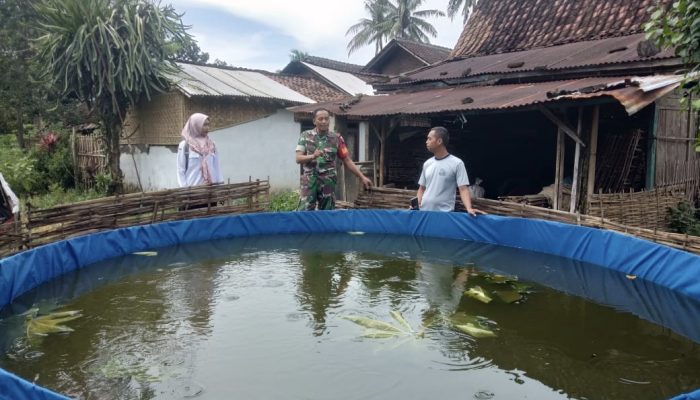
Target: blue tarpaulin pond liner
{"x":660,"y":265}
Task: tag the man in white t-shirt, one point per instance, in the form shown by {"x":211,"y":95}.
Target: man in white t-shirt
{"x":441,"y":174}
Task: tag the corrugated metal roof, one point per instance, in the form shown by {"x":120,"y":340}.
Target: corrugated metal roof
{"x":616,"y":50}
{"x":626,"y":90}
{"x":198,"y":80}
{"x":343,"y":80}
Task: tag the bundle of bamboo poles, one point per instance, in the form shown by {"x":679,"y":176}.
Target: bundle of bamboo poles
{"x":384,"y":198}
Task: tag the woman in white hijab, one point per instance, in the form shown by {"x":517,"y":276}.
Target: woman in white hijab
{"x":197,"y":158}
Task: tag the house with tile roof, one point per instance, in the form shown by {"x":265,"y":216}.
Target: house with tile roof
{"x":559,"y":96}
{"x":246,"y":108}
{"x":400,"y":56}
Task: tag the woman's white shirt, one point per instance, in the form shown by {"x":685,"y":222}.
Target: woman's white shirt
{"x":193,"y":175}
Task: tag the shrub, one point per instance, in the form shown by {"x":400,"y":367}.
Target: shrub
{"x":287,"y":200}
{"x":684,"y":219}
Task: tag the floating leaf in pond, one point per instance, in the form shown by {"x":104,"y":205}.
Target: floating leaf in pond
{"x":372,"y":323}
{"x":475,"y":331}
{"x":401,"y":320}
{"x":146,"y":253}
{"x":509,"y":296}
{"x":356,"y":233}
{"x":478,"y":293}
{"x":378,"y":334}
{"x":117,"y":368}
{"x":631,"y":277}
{"x":50,"y":323}
{"x":520,"y":287}
{"x":497,"y":278}
{"x":461,"y":318}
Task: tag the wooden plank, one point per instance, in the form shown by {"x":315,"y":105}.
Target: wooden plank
{"x":575,"y":182}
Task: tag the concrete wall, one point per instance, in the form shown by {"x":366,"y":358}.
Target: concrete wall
{"x":259,"y":148}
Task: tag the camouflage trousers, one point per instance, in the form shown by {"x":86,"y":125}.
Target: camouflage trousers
{"x":317,"y":190}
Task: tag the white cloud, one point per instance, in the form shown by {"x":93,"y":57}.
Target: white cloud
{"x":247,"y":51}
{"x":319,"y":26}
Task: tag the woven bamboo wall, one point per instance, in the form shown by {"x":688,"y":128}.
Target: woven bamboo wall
{"x":646,"y":209}
{"x":158,"y":121}
{"x":49,"y":225}
{"x":383,"y":198}
{"x":224,"y":111}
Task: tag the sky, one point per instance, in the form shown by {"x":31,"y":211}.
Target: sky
{"x":259,"y":34}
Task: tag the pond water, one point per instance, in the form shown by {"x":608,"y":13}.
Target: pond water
{"x":285,"y":317}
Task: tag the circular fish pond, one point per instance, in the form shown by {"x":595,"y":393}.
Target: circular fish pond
{"x":351,"y":305}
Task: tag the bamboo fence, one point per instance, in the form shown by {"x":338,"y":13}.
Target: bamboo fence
{"x":645,"y":209}
{"x":41,"y":226}
{"x":384,"y":198}
{"x":89,"y":158}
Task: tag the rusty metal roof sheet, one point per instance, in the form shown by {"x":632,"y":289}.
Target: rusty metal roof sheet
{"x":199,"y":80}
{"x":629,"y":91}
{"x":617,"y":50}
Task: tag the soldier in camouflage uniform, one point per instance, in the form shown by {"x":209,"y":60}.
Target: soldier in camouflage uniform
{"x":317,"y":152}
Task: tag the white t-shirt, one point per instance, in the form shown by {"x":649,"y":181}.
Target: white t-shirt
{"x":193,"y":175}
{"x":441,"y":178}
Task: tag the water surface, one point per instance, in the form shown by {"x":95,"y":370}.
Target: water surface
{"x":263,"y":318}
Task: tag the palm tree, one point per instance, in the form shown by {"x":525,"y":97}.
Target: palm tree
{"x":388,"y":20}
{"x":372,"y":29}
{"x":454,"y":5}
{"x":407,"y":23}
{"x":109,"y":54}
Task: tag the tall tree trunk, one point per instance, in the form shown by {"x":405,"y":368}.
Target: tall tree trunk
{"x":20,"y":129}
{"x":112,"y":132}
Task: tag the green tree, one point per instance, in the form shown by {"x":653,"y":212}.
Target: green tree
{"x":20,"y":93}
{"x":453,"y":7}
{"x":109,"y":54}
{"x":407,"y":22}
{"x":370,"y":30}
{"x":297,"y":55}
{"x":678,"y":27}
{"x":188,"y":50}
{"x":390,"y":20}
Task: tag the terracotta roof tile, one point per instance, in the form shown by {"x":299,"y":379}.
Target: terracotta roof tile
{"x":309,"y":87}
{"x":500,"y":26}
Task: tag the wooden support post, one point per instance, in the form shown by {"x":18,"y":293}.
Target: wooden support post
{"x":382,"y":152}
{"x":593,"y":150}
{"x":561,"y":125}
{"x":558,"y":171}
{"x":575,"y":182}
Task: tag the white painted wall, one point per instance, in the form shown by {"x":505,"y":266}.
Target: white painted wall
{"x":258,"y":149}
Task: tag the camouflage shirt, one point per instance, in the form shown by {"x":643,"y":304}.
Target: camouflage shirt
{"x":333,"y":147}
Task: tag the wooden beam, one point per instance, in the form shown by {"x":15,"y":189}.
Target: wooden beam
{"x":558,"y":171}
{"x":575,"y":182}
{"x":561,"y":125}
{"x":593,"y":150}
